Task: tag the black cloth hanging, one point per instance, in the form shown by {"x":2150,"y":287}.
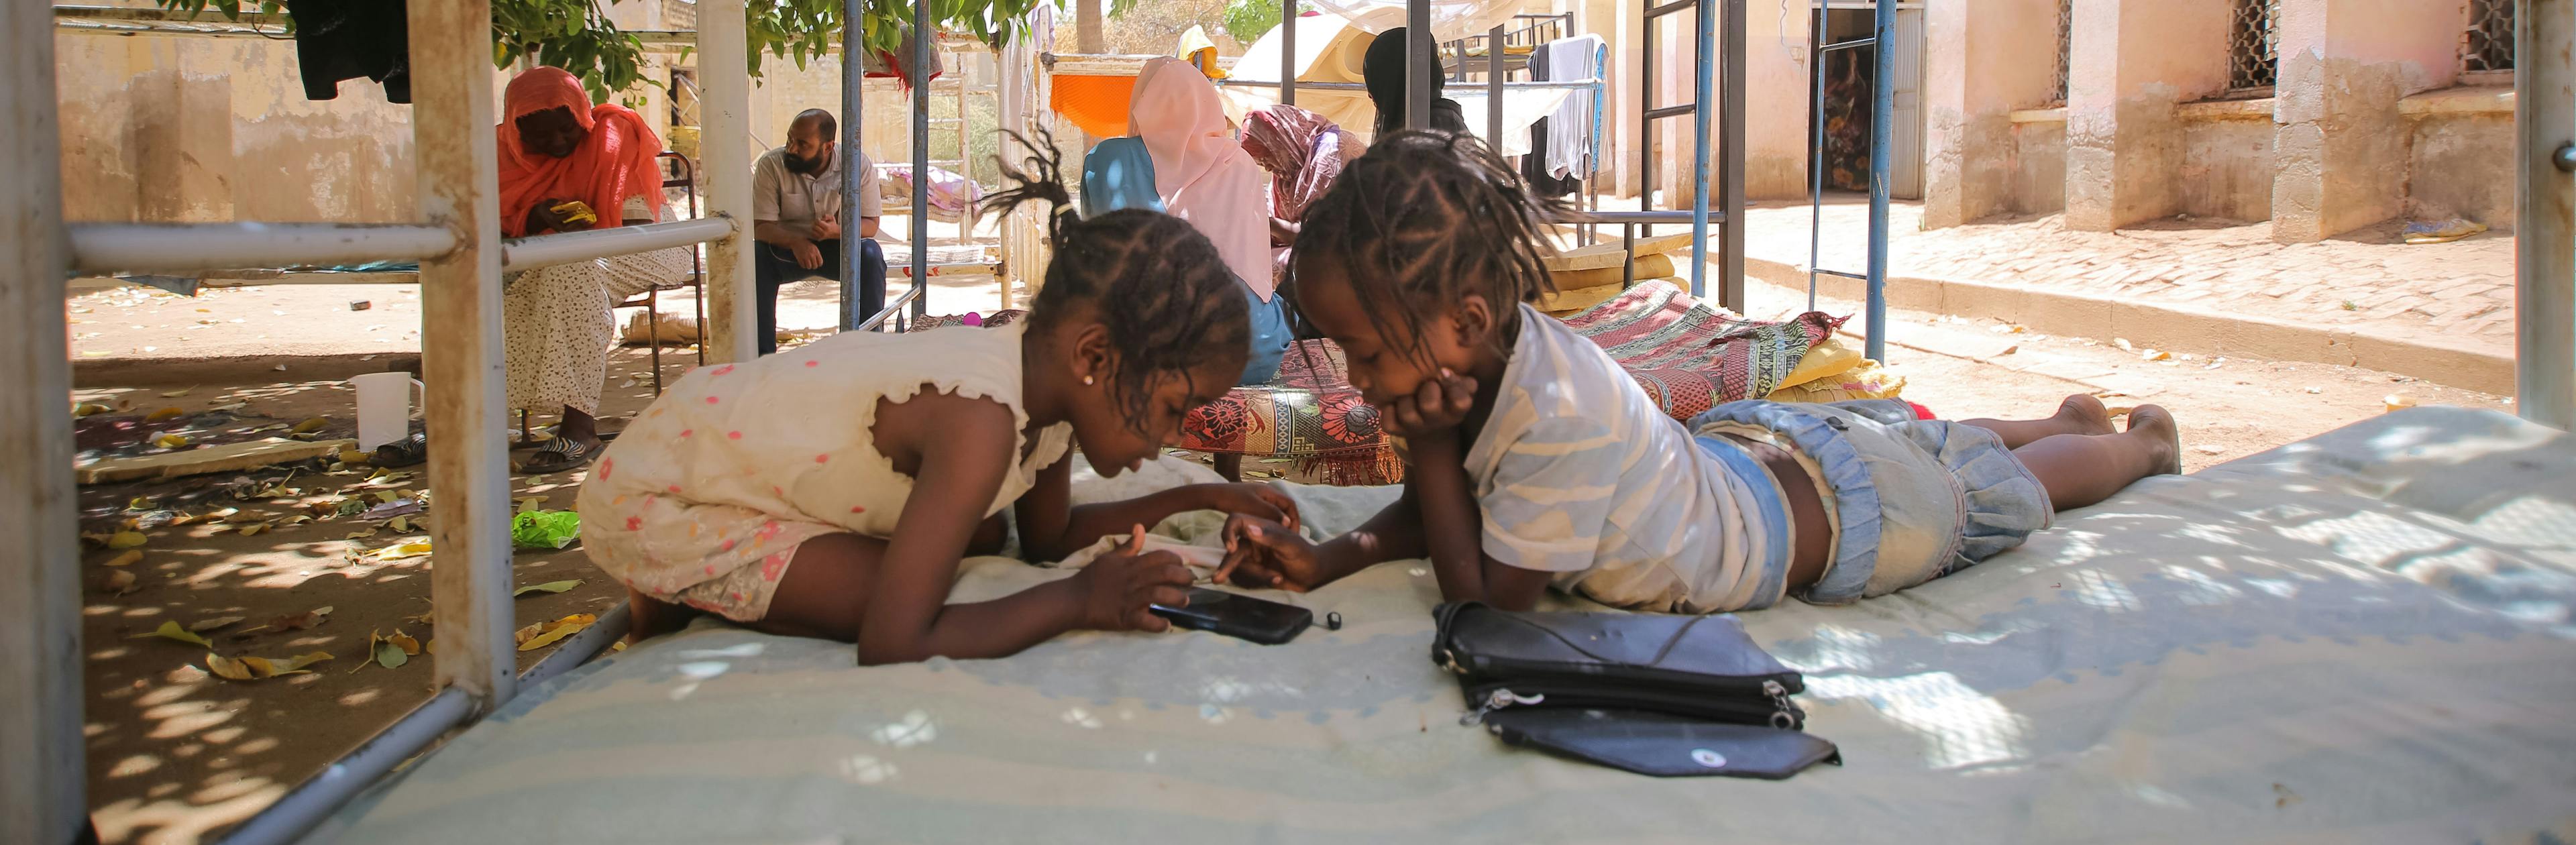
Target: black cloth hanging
{"x":1534,"y":165}
{"x":350,"y":39}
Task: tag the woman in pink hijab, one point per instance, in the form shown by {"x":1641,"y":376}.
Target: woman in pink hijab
{"x":1205,"y":177}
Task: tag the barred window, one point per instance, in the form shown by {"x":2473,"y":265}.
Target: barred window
{"x":2065,"y":39}
{"x":2488,"y":45}
{"x":2254,"y":45}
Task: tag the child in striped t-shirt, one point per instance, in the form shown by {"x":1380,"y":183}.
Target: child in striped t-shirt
{"x":1534,"y":459}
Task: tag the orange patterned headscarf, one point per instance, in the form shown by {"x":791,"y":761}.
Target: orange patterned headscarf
{"x":613,"y":162}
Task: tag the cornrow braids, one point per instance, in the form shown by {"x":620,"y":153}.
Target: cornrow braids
{"x":1168,"y":301}
{"x":1424,"y":219}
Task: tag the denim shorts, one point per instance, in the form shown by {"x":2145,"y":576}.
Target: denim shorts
{"x":1913,"y":500}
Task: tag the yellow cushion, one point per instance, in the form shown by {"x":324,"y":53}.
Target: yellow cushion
{"x":1579,"y":298}
{"x":1648,"y":267}
{"x":1870,"y":380}
{"x":1830,"y":358}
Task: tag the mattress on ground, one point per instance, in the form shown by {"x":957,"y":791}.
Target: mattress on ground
{"x":2361,"y":637}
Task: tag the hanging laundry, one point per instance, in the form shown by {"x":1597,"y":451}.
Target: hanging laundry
{"x":351,"y":39}
{"x":1560,"y":142}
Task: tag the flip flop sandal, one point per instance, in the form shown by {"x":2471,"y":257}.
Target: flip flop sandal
{"x":558,"y":455}
{"x":409,"y":451}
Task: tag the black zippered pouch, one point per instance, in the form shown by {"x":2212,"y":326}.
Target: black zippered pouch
{"x":1649,"y":693}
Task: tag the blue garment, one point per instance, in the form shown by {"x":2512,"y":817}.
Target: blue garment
{"x":1117,"y":174}
{"x":1913,"y":500}
{"x":1270,"y":336}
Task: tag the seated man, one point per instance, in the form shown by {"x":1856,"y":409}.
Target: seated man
{"x":796,"y":216}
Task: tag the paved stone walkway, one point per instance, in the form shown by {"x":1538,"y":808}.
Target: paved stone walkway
{"x":2460,"y":293}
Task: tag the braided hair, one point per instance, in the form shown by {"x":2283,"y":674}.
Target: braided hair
{"x":1168,"y":302}
{"x":1424,"y":219}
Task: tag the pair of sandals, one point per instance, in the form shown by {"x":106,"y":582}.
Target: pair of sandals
{"x":553,"y":456}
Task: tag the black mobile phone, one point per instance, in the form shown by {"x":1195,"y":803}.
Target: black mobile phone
{"x":1243,"y":617}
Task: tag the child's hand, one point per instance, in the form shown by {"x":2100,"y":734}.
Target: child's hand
{"x":1263,"y":554}
{"x":1119,"y":586}
{"x":1265,"y":501}
{"x":1434,"y":409}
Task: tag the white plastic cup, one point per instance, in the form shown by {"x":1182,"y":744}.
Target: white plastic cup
{"x":384,"y":407}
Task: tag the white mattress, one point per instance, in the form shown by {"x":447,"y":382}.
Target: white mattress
{"x":2361,"y":637}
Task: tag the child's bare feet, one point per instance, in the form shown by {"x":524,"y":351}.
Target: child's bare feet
{"x":648,"y":617}
{"x":2157,"y":424}
{"x":2084,"y":413}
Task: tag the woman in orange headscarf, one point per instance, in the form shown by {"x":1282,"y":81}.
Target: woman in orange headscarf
{"x":568,"y":165}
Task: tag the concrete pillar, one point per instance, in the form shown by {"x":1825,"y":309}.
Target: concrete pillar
{"x":1777,"y":96}
{"x":2339,"y":149}
{"x":1981,"y":62}
{"x":2132,"y":61}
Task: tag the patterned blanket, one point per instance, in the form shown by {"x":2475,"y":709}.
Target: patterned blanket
{"x":1690,"y":355}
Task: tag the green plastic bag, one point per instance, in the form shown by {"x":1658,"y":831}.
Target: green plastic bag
{"x":545,"y":529}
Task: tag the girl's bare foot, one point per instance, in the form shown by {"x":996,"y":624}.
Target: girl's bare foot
{"x":2083,"y":413}
{"x":2165,"y":437}
{"x":648,"y":617}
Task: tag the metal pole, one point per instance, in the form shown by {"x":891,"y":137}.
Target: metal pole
{"x":1815,"y":153}
{"x":724,"y":103}
{"x":41,"y":768}
{"x":188,"y":247}
{"x":1288,"y":52}
{"x":314,"y":800}
{"x":1730,"y":170}
{"x":1421,"y":64}
{"x":1704,"y":88}
{"x":1882,"y":111}
{"x":922,"y":36}
{"x":853,"y":78}
{"x":1645,"y":122}
{"x":2545,"y":202}
{"x":461,"y":359}
{"x":1493,"y":87}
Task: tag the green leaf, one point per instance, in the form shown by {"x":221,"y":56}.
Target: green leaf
{"x":390,"y":656}
{"x":547,"y":587}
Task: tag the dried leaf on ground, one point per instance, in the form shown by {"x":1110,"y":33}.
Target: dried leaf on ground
{"x":399,"y":523}
{"x":87,"y":408}
{"x":360,"y":534}
{"x":531,"y":503}
{"x":255,"y":668}
{"x":421,"y":618}
{"x":125,"y":540}
{"x":353,"y":456}
{"x":544,"y":634}
{"x":311,"y":425}
{"x":252,"y":529}
{"x":170,"y":630}
{"x":209,"y":516}
{"x":296,"y":621}
{"x":129,"y":558}
{"x":163,"y":414}
{"x":118,"y":582}
{"x":204,"y":625}
{"x":174,"y":394}
{"x":403,"y":551}
{"x":139,"y":503}
{"x":409,"y":646}
{"x":547,"y":587}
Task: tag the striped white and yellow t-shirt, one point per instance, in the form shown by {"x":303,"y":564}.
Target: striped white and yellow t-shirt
{"x":1579,"y":474}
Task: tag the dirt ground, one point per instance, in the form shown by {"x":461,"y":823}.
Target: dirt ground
{"x":177,"y":754}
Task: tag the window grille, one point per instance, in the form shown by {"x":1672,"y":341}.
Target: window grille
{"x":2254,"y":45}
{"x":2488,"y":45}
{"x":2065,"y":38}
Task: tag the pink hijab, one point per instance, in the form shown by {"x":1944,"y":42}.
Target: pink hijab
{"x":1202,"y":174}
{"x":618,"y":159}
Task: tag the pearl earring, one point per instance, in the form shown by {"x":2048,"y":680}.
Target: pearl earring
{"x":1086,"y":379}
